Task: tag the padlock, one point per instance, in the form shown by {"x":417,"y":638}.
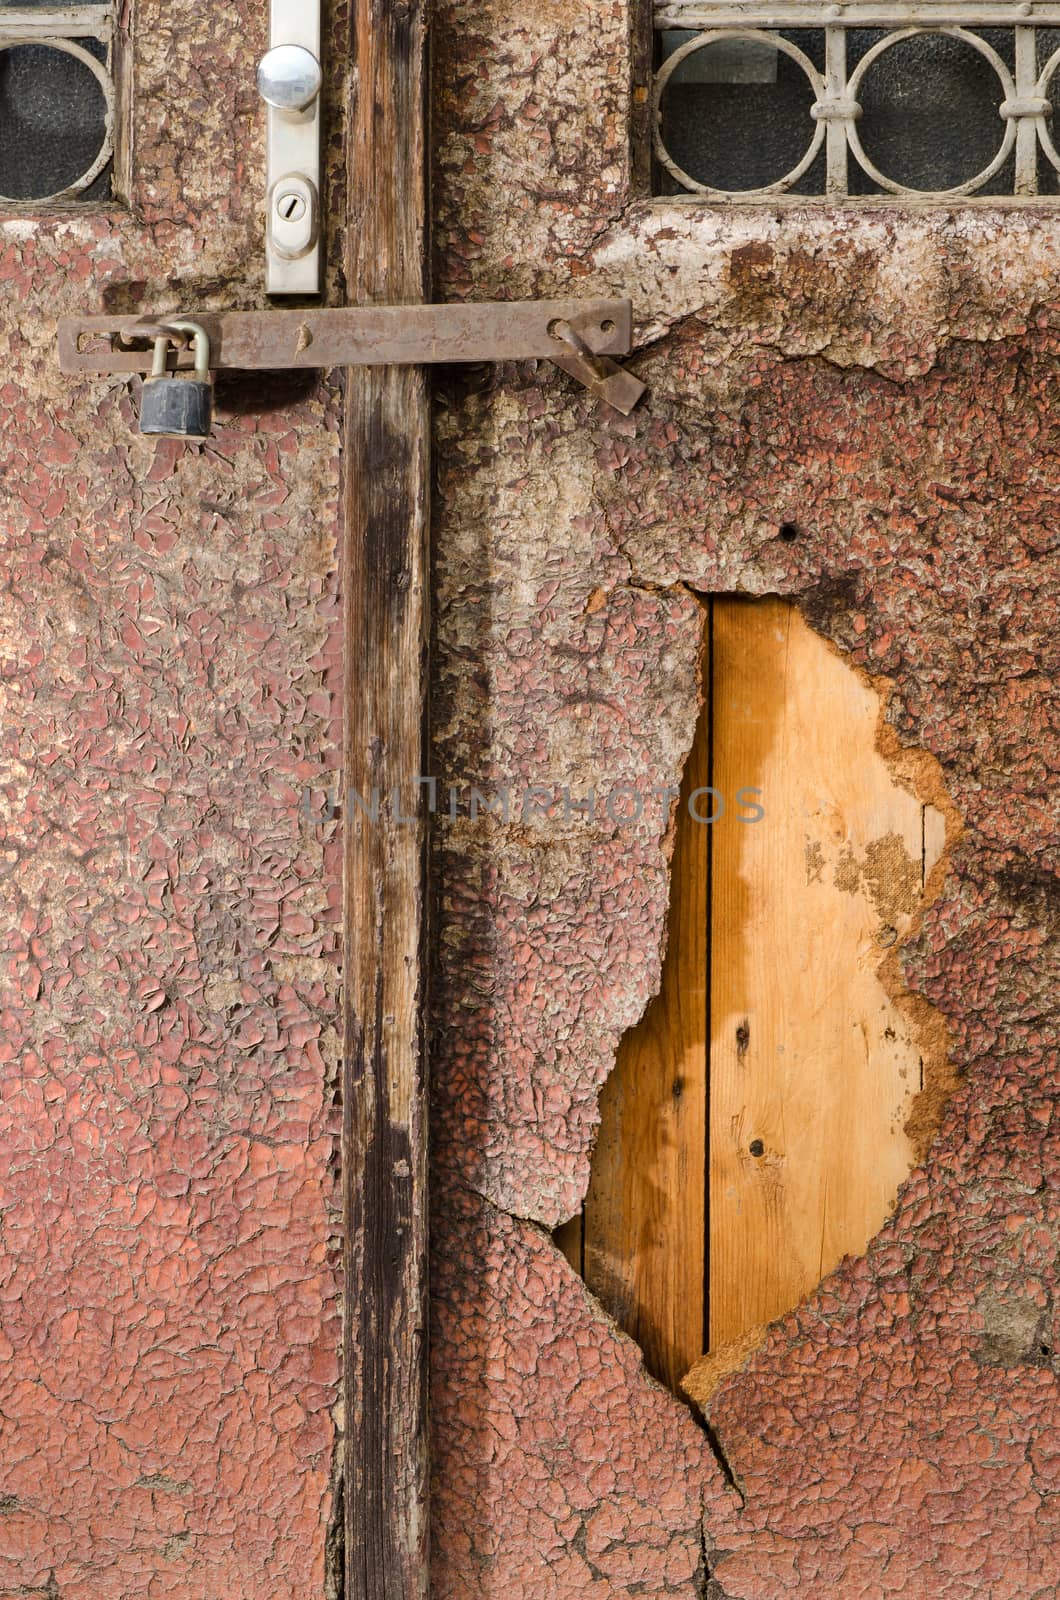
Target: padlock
{"x":173,"y":406}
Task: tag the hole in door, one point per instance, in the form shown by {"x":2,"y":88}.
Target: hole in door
{"x":764,"y":1111}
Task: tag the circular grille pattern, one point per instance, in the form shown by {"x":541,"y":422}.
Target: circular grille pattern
{"x":704,"y":41}
{"x":1007,"y":130}
{"x":56,"y":120}
{"x":894,"y":122}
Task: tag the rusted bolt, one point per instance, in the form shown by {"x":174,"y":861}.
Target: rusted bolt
{"x":154,"y":330}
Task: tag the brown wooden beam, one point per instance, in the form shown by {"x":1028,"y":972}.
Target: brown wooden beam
{"x":385,"y":578}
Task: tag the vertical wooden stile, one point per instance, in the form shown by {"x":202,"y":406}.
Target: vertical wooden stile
{"x":385,"y":581}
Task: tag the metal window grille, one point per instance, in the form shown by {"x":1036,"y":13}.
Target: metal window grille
{"x":57,"y":102}
{"x":854,"y":89}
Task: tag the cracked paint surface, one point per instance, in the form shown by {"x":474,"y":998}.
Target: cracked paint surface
{"x":885,"y":381}
{"x":170,"y":661}
{"x":168,"y":1303}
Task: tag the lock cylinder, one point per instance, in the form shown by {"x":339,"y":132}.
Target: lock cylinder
{"x":173,"y":405}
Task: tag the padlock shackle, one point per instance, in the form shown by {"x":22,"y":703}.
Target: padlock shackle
{"x":173,"y":406}
{"x":158,"y":355}
{"x":201,"y":343}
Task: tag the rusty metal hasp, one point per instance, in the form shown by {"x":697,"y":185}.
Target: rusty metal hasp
{"x":579,"y":335}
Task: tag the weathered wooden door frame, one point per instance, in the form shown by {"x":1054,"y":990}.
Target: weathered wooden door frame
{"x":385,"y":586}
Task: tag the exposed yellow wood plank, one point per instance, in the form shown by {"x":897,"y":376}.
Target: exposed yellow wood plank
{"x":934,"y":838}
{"x":813,"y":1067}
{"x":644,"y":1223}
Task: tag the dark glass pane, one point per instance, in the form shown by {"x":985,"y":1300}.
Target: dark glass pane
{"x":1047,"y":41}
{"x":52,"y":121}
{"x":737,"y":115}
{"x":930,"y":111}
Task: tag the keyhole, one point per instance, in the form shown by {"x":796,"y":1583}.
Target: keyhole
{"x":291,"y":207}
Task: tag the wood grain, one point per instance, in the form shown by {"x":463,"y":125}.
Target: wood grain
{"x":644,"y":1226}
{"x":812,"y":1068}
{"x":773,"y":1059}
{"x":385,"y":578}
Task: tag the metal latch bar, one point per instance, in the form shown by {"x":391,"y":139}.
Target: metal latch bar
{"x":600,"y":375}
{"x":362,"y":336}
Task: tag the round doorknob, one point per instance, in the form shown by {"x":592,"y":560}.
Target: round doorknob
{"x":289,"y":77}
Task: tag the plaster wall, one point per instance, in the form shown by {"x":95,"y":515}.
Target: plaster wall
{"x":884,"y":379}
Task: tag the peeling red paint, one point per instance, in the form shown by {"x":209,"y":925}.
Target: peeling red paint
{"x":169,"y":662}
{"x":884,"y":381}
{"x":548,"y":1431}
{"x":169,"y":1313}
{"x":883,"y":1365}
